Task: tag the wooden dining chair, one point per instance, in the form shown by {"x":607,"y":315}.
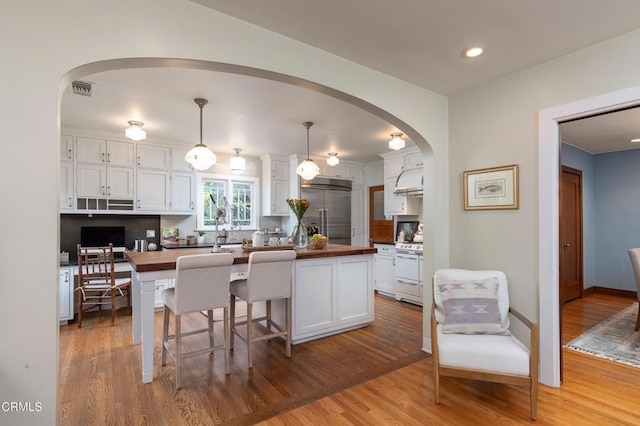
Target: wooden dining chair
{"x":98,"y":286}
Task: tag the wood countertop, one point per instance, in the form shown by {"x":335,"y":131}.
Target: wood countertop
{"x":165,"y":260}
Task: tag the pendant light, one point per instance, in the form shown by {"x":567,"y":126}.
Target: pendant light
{"x":135,"y":131}
{"x":200,"y":157}
{"x":307,"y":170}
{"x":333,"y":159}
{"x":396,"y":142}
{"x":237,"y":164}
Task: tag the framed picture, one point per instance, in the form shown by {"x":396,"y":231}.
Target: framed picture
{"x":494,"y":188}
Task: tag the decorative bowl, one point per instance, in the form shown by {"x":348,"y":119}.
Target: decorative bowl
{"x":318,"y":243}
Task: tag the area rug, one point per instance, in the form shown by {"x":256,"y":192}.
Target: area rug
{"x":613,"y":339}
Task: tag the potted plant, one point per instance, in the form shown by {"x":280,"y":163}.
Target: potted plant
{"x":200,"y":237}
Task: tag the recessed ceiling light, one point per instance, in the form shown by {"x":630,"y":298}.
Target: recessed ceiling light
{"x":635,"y":140}
{"x":472,"y":52}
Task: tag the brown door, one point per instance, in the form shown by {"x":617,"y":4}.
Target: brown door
{"x":570,"y":235}
{"x":380,"y":228}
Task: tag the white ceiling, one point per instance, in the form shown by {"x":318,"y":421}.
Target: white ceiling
{"x":419,"y":41}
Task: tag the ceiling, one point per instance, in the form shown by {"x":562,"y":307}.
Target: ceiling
{"x":419,"y":41}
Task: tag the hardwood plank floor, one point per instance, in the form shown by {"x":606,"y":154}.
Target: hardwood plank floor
{"x":594,"y":392}
{"x":350,"y":379}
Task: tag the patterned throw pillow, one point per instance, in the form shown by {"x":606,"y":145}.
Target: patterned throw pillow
{"x":471,"y":307}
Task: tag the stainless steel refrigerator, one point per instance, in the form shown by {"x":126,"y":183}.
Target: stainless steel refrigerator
{"x":329,"y":212}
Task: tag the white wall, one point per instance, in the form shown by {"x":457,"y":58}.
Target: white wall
{"x":496,"y":124}
{"x":45,"y":40}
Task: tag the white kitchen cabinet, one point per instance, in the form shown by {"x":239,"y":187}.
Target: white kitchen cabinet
{"x":413,"y":160}
{"x":338,"y":171}
{"x":66,"y":148}
{"x":384,"y":269}
{"x":153,"y":189}
{"x":183,"y":192}
{"x":275,"y":185}
{"x":357,"y":217}
{"x":153,"y":157}
{"x":65,"y":307}
{"x":120,"y":183}
{"x":332,"y":295}
{"x":101,"y":151}
{"x":178,"y":163}
{"x":92,"y":180}
{"x":66,"y":186}
{"x":102,"y":181}
{"x":357,"y":176}
{"x":394,"y":165}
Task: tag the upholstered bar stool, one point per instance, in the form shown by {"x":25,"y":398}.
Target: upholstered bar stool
{"x":201,"y":284}
{"x":268,"y":278}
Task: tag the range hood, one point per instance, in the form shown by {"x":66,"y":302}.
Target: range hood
{"x":410,"y":182}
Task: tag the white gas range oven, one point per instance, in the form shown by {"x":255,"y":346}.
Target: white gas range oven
{"x":409,"y":269}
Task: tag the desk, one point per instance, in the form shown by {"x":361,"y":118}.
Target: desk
{"x":147,"y":267}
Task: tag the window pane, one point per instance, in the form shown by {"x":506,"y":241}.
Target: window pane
{"x":242,"y":203}
{"x":216,"y":188}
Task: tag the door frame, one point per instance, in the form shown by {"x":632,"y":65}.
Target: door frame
{"x":548,"y":224}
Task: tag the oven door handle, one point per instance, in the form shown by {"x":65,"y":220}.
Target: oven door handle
{"x":407,"y":257}
{"x":406,"y":282}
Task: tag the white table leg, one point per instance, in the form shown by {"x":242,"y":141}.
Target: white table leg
{"x":136,"y":305}
{"x":147,"y":299}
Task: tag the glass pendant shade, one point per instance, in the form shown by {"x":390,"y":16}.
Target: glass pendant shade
{"x":396,"y":142}
{"x":307,"y":170}
{"x":200,"y":157}
{"x":333,"y":159}
{"x":135,"y":131}
{"x":237,"y":164}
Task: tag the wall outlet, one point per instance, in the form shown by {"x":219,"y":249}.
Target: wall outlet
{"x":151,"y":233}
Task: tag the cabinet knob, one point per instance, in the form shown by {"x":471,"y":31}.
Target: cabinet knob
{"x":102,"y":155}
{"x":138,"y":160}
{"x":109,"y":157}
{"x":138,"y":203}
{"x":108,"y":190}
{"x":70,"y":202}
{"x":103,"y":192}
{"x":69,"y":153}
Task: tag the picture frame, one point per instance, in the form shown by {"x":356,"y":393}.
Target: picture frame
{"x":494,"y":188}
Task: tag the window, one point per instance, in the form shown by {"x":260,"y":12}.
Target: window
{"x":235,"y":202}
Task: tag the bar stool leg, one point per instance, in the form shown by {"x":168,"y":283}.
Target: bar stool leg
{"x":178,"y":352}
{"x":232,"y":319}
{"x":225,"y":321}
{"x":250,"y":333}
{"x":165,"y":334}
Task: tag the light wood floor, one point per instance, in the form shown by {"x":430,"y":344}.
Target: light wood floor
{"x":349,"y":379}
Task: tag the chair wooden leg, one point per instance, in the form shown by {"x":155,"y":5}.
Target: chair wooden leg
{"x":534,"y":399}
{"x":80,"y":297}
{"x":638,"y":320}
{"x":113,"y":307}
{"x":249,"y":333}
{"x":268,"y":303}
{"x":178,"y":352}
{"x":225,"y":322}
{"x":210,"y":326}
{"x":288,"y":325}
{"x":232,"y":320}
{"x":165,"y":334}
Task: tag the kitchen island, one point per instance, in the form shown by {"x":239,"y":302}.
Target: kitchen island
{"x":332,"y":291}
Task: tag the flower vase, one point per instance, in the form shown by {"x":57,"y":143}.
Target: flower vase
{"x":299,"y":237}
